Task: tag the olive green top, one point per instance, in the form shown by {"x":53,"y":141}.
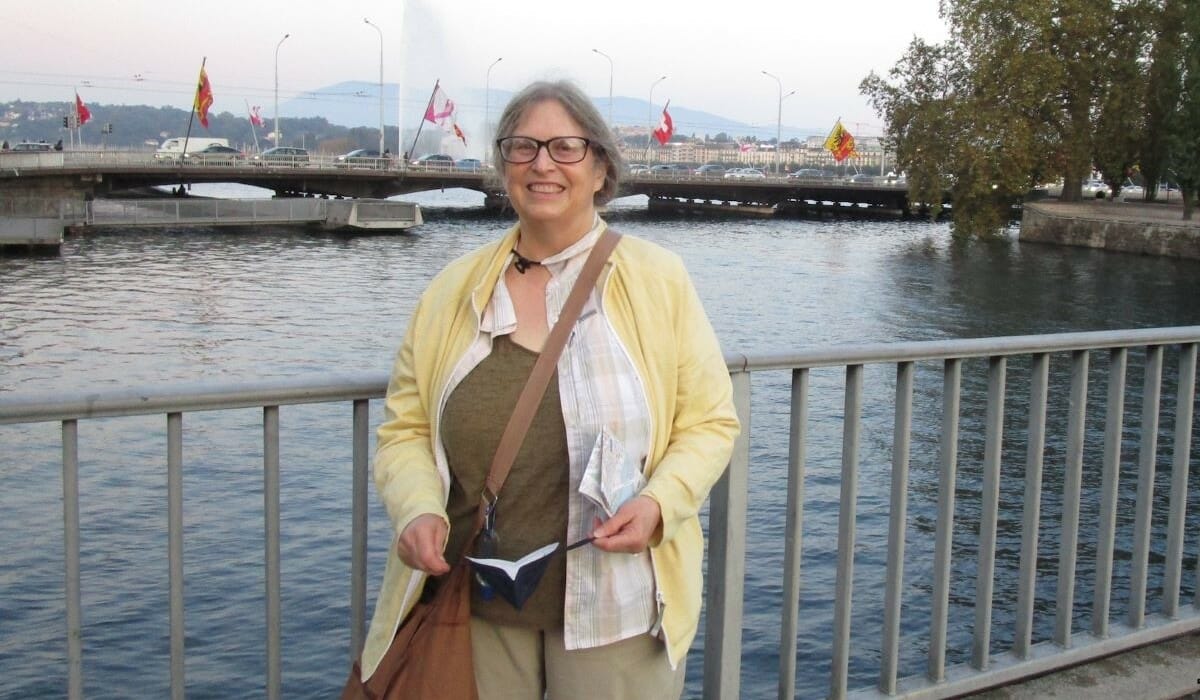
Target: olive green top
{"x":532,"y":508}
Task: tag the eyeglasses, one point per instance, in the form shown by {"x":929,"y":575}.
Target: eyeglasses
{"x":566,"y":150}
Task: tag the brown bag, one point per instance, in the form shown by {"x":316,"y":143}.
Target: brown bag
{"x":430,"y":656}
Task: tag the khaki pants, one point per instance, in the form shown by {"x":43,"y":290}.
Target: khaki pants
{"x":514,"y":663}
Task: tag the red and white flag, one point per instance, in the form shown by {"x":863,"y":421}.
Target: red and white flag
{"x":440,"y":110}
{"x":459,"y":133}
{"x":666,"y":127}
{"x":81,"y":110}
{"x":255,"y":118}
{"x":745,"y":147}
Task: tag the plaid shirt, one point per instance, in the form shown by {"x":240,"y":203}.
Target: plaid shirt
{"x":609,"y":597}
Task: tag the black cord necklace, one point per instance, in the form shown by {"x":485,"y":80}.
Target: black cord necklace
{"x":523,"y":263}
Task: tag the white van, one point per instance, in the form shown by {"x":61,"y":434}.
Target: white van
{"x":172,"y":148}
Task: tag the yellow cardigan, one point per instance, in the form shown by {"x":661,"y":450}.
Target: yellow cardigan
{"x":657,"y":315}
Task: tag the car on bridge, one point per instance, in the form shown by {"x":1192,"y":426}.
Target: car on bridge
{"x":745,"y":174}
{"x":709,"y":170}
{"x":669,"y":169}
{"x":27,"y":146}
{"x":215,"y":154}
{"x":809,"y":174}
{"x":282,"y":155}
{"x":470,"y":165}
{"x":361,"y":158}
{"x":434,"y":161}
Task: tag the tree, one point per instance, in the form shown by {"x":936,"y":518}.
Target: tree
{"x":1184,"y":135}
{"x":1019,"y":93}
{"x":1120,"y":117}
{"x":1163,"y":86}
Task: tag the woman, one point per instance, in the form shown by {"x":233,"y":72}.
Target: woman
{"x":641,"y":388}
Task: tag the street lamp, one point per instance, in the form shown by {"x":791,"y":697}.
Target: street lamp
{"x":650,"y":116}
{"x":487,"y":109}
{"x":779,"y":119}
{"x":278,"y":138}
{"x":610,"y":76}
{"x":367,"y":21}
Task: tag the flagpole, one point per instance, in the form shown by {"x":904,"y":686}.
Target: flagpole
{"x":192,"y":116}
{"x":412,"y":150}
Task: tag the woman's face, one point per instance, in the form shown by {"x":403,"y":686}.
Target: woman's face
{"x":548,"y":195}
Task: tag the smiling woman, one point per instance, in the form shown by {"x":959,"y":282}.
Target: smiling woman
{"x":639,"y":399}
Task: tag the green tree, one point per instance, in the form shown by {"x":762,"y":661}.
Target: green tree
{"x":1120,"y":118}
{"x":1184,"y":134}
{"x":1163,"y":85}
{"x":1018,"y":94}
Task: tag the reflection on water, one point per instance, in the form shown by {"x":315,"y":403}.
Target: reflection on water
{"x":138,"y":307}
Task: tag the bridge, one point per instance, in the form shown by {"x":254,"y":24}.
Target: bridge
{"x":78,"y":175}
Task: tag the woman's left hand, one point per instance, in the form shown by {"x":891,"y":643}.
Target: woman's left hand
{"x":629,"y":529}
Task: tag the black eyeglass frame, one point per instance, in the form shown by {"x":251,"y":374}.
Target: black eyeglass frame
{"x":588,"y":144}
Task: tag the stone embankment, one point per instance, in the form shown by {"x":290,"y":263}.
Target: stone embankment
{"x":1130,"y":227}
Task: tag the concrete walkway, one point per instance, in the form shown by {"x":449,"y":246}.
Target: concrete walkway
{"x":1126,"y":227}
{"x":1157,"y":672}
{"x":1158,"y":213}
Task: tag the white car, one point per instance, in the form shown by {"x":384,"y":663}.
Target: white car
{"x":745,"y":174}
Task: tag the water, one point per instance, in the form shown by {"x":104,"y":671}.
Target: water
{"x":133,"y":308}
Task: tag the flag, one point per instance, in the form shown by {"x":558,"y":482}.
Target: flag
{"x":440,"y":110}
{"x":255,"y":118}
{"x":666,"y":127}
{"x":840,"y":142}
{"x":745,"y":147}
{"x":204,"y":97}
{"x":459,"y":133}
{"x":81,"y":111}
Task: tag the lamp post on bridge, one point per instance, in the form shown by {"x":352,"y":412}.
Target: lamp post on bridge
{"x":487,"y":110}
{"x":278,"y":136}
{"x":610,"y":77}
{"x":779,"y":118}
{"x":372,"y":25}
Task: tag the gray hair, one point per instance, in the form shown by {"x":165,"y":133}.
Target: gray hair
{"x":581,"y":109}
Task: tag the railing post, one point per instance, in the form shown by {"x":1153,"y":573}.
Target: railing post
{"x":1185,"y":394}
{"x":988,"y":517}
{"x":1114,"y":420}
{"x":1072,"y":479}
{"x":175,"y":548}
{"x":793,"y":534}
{"x":1147,"y":456}
{"x":944,"y":528}
{"x":727,"y":561}
{"x":1031,"y":506}
{"x":358,"y":537}
{"x":271,"y":540}
{"x":897,"y":525}
{"x":70,"y":486}
{"x":844,"y":585}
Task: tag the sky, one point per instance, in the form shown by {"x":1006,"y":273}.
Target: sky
{"x":713,"y":54}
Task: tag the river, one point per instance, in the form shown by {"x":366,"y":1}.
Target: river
{"x":139,"y":307}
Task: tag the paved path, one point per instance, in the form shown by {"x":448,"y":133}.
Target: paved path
{"x":1161,"y":212}
{"x":1157,"y":672}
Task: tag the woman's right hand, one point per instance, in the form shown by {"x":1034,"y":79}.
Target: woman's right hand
{"x":421,"y":543}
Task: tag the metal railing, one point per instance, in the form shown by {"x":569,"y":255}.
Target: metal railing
{"x":139,"y":212}
{"x":727,"y":518}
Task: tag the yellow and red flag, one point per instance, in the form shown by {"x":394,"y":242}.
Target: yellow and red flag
{"x":840,"y":142}
{"x":204,"y":97}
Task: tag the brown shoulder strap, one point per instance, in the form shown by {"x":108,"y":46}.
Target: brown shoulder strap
{"x":543,"y":369}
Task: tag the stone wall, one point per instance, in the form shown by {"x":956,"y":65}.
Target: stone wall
{"x":1130,"y":228}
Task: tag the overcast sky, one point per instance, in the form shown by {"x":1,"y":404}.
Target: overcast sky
{"x":713,"y":53}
